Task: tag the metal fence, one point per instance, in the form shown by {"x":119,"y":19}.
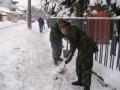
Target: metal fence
{"x":105,"y":32}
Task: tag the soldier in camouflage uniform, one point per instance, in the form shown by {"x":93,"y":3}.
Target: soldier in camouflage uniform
{"x":86,"y":47}
{"x":56,"y":43}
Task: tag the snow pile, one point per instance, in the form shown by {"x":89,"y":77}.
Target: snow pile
{"x":110,"y":76}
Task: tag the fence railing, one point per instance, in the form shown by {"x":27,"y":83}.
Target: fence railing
{"x":105,"y":32}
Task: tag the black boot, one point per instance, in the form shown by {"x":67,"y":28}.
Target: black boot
{"x":87,"y":87}
{"x":77,"y":83}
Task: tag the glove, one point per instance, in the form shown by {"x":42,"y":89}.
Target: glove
{"x":69,"y":58}
{"x":67,"y":61}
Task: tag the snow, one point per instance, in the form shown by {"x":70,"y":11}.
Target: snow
{"x":93,"y":2}
{"x":64,"y":13}
{"x":9,"y":23}
{"x":37,"y":13}
{"x":4,"y":9}
{"x":19,"y":12}
{"x":113,"y":1}
{"x":25,"y":2}
{"x":21,"y":8}
{"x":110,"y":76}
{"x":118,"y":3}
{"x":26,"y":63}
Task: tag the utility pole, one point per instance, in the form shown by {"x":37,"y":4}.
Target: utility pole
{"x":29,"y":14}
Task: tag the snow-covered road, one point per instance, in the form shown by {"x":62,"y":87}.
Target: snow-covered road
{"x":26,"y":63}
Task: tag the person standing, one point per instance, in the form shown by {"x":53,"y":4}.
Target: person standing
{"x":41,"y":24}
{"x":56,"y":43}
{"x":86,"y":47}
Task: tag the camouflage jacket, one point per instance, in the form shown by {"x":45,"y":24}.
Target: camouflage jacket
{"x":55,"y":34}
{"x":80,"y":40}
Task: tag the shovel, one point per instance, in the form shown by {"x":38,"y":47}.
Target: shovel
{"x":62,"y":71}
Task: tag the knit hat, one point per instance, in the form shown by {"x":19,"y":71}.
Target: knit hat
{"x":62,"y":22}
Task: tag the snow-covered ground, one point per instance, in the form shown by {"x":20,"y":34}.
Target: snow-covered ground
{"x":26,"y":63}
{"x":9,"y":23}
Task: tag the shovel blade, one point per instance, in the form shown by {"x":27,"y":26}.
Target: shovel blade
{"x":62,"y":71}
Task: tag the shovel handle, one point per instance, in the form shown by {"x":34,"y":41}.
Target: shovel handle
{"x":64,"y":66}
{"x":68,"y":58}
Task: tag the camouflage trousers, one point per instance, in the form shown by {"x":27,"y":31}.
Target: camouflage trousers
{"x":84,"y":66}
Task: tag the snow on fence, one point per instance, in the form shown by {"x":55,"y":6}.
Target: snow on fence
{"x":104,"y":31}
